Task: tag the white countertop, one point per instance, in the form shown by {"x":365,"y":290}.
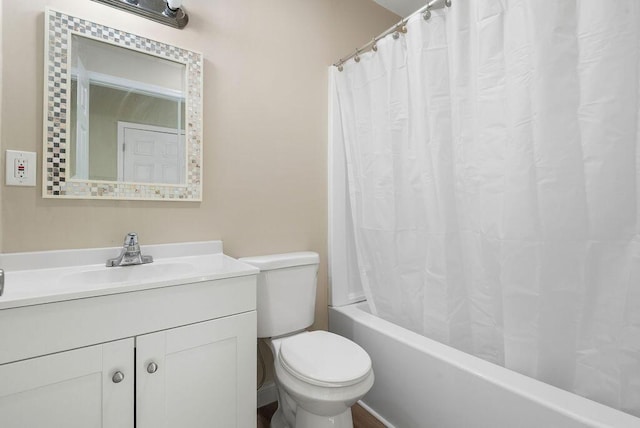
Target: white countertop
{"x":53,"y":276}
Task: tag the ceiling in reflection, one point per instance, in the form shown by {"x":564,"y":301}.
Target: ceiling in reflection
{"x":402,"y":8}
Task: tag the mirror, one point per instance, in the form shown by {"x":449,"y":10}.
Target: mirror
{"x":127,"y":111}
{"x":122,"y":114}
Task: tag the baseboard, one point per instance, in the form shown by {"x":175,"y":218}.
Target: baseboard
{"x":375,"y":414}
{"x":267,"y":394}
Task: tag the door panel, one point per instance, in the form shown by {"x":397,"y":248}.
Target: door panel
{"x":206,"y":375}
{"x":151,"y":154}
{"x":70,"y":389}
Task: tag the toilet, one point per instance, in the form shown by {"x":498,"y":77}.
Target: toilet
{"x":318,"y":375}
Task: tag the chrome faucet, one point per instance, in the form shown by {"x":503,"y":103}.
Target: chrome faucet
{"x":130,"y":254}
{"x":1,"y":281}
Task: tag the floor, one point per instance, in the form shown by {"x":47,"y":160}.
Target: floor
{"x":361,"y":418}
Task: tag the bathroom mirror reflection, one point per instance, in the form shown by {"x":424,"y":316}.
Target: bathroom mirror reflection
{"x":123,"y":114}
{"x":127,"y":115}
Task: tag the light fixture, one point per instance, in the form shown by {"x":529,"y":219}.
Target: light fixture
{"x":166,"y":12}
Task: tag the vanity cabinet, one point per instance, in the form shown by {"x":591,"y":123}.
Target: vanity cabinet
{"x":178,"y":356}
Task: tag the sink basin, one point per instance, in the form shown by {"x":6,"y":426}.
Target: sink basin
{"x":119,"y":275}
{"x":83,"y":281}
{"x":53,"y":276}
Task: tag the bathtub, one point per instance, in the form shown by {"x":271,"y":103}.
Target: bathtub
{"x":423,"y":383}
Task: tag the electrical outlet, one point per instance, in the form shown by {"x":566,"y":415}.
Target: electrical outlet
{"x":20,"y":168}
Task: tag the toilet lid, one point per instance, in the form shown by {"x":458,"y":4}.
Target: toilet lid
{"x":324,"y":359}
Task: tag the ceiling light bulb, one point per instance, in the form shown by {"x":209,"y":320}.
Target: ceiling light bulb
{"x":174,"y":4}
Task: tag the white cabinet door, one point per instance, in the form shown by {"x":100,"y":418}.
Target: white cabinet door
{"x":72,"y":389}
{"x":201,"y":375}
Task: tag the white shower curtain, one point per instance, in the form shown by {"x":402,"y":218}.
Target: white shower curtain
{"x":493,"y":163}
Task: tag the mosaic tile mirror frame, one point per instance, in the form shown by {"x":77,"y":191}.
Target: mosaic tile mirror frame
{"x":57,"y":182}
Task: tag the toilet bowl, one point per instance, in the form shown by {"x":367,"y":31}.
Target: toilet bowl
{"x":318,"y":375}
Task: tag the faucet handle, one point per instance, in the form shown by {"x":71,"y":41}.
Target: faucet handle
{"x":131,"y":239}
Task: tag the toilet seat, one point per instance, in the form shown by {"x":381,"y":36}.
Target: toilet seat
{"x":324,"y":359}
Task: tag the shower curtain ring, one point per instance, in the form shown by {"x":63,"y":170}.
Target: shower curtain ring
{"x":403,"y":26}
{"x":340,"y":67}
{"x":374,"y":45}
{"x":356,"y":57}
{"x":447,"y":3}
{"x":426,"y":15}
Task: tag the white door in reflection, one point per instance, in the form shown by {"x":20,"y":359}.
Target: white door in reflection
{"x":150,"y":154}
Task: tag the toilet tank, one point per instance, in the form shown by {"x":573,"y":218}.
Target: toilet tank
{"x":286,"y":291}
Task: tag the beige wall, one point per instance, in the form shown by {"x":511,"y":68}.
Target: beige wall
{"x":265,"y":127}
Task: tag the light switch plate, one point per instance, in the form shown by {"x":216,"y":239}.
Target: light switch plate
{"x":20,"y":168}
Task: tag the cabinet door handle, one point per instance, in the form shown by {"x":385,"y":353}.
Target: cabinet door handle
{"x":152,"y":368}
{"x":117,"y":377}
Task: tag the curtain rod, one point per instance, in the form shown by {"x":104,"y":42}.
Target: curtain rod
{"x":400,"y":27}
